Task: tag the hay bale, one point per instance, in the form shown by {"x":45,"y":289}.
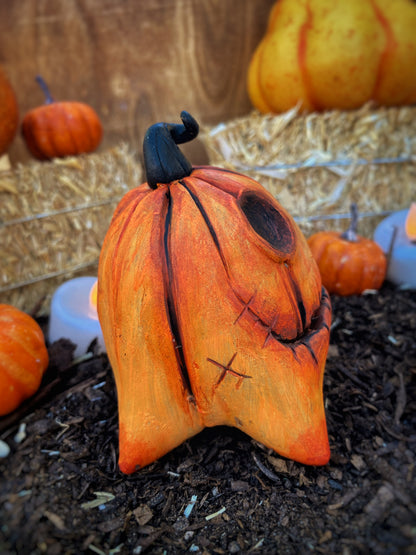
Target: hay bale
{"x":53,"y":218}
{"x":317,"y":164}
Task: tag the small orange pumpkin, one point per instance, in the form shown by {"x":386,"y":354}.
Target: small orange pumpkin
{"x":212,"y":311}
{"x":23,"y":357}
{"x":9,"y":114}
{"x":59,"y":129}
{"x":349,"y":264}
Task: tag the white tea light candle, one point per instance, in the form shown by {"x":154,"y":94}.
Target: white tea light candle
{"x":74,"y":314}
{"x":391,"y":235}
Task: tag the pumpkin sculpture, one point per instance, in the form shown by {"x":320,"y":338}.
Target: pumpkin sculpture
{"x":338,"y":54}
{"x":23,"y":357}
{"x":59,"y":129}
{"x":212,"y":311}
{"x":9,"y":114}
{"x":349,"y":263}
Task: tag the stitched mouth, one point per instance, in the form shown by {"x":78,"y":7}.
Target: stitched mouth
{"x":318,"y":321}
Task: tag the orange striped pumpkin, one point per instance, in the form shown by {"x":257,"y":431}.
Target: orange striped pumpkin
{"x":23,"y":357}
{"x":59,"y":129}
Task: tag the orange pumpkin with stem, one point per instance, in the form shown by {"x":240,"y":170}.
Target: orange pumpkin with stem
{"x":212,"y":311}
{"x":23,"y":357}
{"x":349,"y":263}
{"x":59,"y":129}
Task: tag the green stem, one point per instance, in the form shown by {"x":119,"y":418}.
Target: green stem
{"x":351,"y":233}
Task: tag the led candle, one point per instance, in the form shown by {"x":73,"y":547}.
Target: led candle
{"x":74,"y":314}
{"x":394,"y":235}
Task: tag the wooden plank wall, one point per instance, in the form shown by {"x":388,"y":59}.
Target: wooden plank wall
{"x":135,"y":61}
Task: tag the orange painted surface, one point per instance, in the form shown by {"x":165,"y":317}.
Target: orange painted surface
{"x":213,"y":314}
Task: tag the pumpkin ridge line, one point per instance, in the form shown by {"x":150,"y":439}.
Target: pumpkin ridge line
{"x":311,"y":351}
{"x":120,"y":238}
{"x":45,"y":131}
{"x":171,"y":314}
{"x":218,"y":185}
{"x":87,"y":129}
{"x":302,"y":50}
{"x":390,"y":45}
{"x":69,"y":128}
{"x":208,"y":224}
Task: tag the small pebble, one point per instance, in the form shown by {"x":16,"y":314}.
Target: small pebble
{"x":4,"y":449}
{"x":234,"y":547}
{"x":21,"y":433}
{"x":334,"y":484}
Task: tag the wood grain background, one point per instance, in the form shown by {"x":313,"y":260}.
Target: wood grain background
{"x":135,"y":61}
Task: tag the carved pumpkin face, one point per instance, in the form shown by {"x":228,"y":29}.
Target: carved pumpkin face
{"x":213,"y":313}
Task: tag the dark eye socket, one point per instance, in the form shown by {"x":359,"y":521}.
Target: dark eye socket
{"x":267,"y":222}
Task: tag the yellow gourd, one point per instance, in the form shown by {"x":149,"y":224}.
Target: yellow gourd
{"x":328,"y":54}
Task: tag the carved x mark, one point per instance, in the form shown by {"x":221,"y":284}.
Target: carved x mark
{"x":246,"y":307}
{"x":227,"y":369}
{"x":270,"y":330}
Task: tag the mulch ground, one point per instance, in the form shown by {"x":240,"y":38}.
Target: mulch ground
{"x":220,"y":492}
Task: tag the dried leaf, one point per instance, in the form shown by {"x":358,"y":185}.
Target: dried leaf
{"x":143,"y":514}
{"x":303,"y":480}
{"x":102,"y":497}
{"x":55,"y":519}
{"x":279,"y":465}
{"x":358,"y":462}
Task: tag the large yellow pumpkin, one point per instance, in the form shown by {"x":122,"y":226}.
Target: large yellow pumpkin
{"x":212,"y":311}
{"x":328,"y":54}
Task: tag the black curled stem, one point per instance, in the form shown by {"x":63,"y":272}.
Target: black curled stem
{"x":163,"y":161}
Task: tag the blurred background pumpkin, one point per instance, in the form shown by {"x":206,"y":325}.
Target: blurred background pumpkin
{"x":9,"y":114}
{"x":349,"y":263}
{"x":59,"y":129}
{"x":329,"y":54}
{"x":23,"y":357}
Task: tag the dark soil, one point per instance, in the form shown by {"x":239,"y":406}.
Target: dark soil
{"x":61,"y":490}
